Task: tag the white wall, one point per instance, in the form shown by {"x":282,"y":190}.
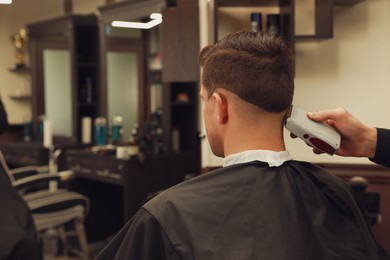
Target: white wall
{"x":351,"y":70}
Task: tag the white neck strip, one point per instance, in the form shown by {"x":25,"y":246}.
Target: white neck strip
{"x":274,"y":159}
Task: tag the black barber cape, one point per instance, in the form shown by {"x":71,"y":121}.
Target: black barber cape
{"x":18,"y":236}
{"x":250,"y":211}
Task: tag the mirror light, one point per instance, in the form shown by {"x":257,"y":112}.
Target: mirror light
{"x":6,"y":2}
{"x":156,"y":19}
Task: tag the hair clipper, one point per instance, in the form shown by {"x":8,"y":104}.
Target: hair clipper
{"x":315,"y":134}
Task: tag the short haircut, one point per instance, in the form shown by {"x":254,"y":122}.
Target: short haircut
{"x":257,"y":67}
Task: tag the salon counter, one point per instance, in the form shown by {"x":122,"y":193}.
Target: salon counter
{"x":19,"y":154}
{"x":117,"y":188}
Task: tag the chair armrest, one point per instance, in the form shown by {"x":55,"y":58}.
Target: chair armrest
{"x":36,"y":180}
{"x":66,"y":175}
{"x":23,"y":172}
{"x":58,"y":201}
{"x":42,"y":178}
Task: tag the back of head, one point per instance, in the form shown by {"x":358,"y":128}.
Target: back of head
{"x":257,"y":67}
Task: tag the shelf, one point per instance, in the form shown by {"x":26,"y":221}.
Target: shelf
{"x":324,"y":20}
{"x":85,"y":104}
{"x":182,"y":103}
{"x":84,"y":64}
{"x":19,"y":69}
{"x":323,"y":23}
{"x":311,"y":38}
{"x":248,"y":3}
{"x":347,"y":2}
{"x":24,"y":97}
{"x":224,"y":14}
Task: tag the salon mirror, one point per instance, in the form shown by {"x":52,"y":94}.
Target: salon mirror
{"x":52,"y":76}
{"x":57,"y":89}
{"x":124,"y":83}
{"x":131,"y":64}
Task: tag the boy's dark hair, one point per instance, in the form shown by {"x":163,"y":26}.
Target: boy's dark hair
{"x":257,"y":67}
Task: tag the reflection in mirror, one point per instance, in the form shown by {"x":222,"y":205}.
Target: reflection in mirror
{"x":57,"y":89}
{"x":122,"y":88}
{"x":119,"y":32}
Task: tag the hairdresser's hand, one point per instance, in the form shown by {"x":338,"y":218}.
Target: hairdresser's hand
{"x":357,"y":139}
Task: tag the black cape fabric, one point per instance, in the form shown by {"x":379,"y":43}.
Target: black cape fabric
{"x":18,"y":236}
{"x":249,"y":211}
{"x":382,"y":153}
{"x":3,"y":118}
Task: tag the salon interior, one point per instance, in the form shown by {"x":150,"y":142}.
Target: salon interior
{"x":105,"y":94}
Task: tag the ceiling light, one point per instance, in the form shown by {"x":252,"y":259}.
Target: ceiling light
{"x":156,"y":19}
{"x":6,"y":2}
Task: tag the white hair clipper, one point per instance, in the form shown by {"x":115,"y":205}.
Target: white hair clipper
{"x":315,"y":134}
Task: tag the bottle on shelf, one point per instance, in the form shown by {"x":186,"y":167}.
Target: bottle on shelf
{"x":256,"y":22}
{"x":100,"y":131}
{"x":28,"y":129}
{"x":116,"y":129}
{"x":175,"y":140}
{"x":88,"y":90}
{"x":134,"y":141}
{"x":273,"y":24}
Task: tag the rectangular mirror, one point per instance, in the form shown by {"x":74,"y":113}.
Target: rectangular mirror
{"x":123,"y":83}
{"x":123,"y":88}
{"x":57,"y":89}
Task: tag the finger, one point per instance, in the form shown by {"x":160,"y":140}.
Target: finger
{"x":326,"y":114}
{"x":331,"y":123}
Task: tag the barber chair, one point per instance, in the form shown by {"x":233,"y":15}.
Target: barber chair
{"x":369,"y":201}
{"x":54,"y":211}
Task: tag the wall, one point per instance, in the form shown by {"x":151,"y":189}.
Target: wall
{"x":12,"y":18}
{"x":351,"y":70}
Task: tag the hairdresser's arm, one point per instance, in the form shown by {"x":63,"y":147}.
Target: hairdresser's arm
{"x":357,"y":139}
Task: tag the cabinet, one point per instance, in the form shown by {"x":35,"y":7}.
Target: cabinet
{"x":180,"y":42}
{"x":19,"y":154}
{"x":181,"y":76}
{"x":65,"y":66}
{"x":180,"y":114}
{"x":117,"y":188}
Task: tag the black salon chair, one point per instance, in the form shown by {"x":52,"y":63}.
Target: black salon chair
{"x":18,"y":235}
{"x":53,"y":210}
{"x":369,"y":201}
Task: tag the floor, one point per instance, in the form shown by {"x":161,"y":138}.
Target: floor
{"x":60,"y":258}
{"x":93,"y":250}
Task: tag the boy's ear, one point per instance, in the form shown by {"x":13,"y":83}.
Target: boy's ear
{"x":222,"y":107}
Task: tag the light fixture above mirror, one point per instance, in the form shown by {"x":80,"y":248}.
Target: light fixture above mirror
{"x":156,"y":19}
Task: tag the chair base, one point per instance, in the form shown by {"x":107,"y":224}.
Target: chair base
{"x":67,"y":240}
